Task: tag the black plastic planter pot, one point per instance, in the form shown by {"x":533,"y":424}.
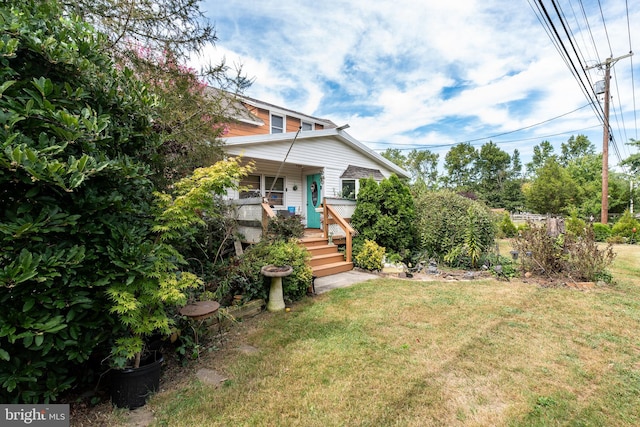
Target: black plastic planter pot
{"x":131,"y":387}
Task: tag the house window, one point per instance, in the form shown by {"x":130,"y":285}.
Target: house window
{"x":252,"y":187}
{"x":349,"y":189}
{"x":307,"y":126}
{"x":275,"y":194}
{"x":277,"y":124}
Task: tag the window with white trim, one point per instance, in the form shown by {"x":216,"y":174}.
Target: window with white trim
{"x":274,"y":195}
{"x":306,"y":126}
{"x":349,"y":189}
{"x":252,"y":187}
{"x":277,"y":124}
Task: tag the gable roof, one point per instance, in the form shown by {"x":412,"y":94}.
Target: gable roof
{"x":339,"y":134}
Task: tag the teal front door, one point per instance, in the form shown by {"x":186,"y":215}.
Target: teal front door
{"x":314,"y":200}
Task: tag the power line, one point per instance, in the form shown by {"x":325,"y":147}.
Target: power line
{"x":621,"y":128}
{"x":612,"y":140}
{"x":528,"y":127}
{"x":504,"y":133}
{"x":571,"y":52}
{"x":586,"y":19}
{"x":566,"y":56}
{"x":540,"y":138}
{"x":604,"y":23}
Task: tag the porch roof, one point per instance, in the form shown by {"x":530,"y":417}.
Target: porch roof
{"x":341,"y":135}
{"x":357,"y":172}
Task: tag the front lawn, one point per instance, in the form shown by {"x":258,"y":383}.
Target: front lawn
{"x":411,"y":353}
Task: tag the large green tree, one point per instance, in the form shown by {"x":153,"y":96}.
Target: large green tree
{"x":586,"y":172}
{"x":512,"y":197}
{"x":396,"y":156}
{"x":633,"y":161}
{"x":541,"y":153}
{"x":516,"y":165}
{"x":460,"y":164}
{"x":575,"y":148}
{"x":423,"y":165}
{"x":553,"y":191}
{"x":493,"y":166}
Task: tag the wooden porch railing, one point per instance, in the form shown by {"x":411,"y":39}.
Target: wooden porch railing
{"x":331,"y":216}
{"x":267,"y":213}
{"x":253,"y":216}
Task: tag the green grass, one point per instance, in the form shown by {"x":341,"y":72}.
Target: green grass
{"x":409,"y":353}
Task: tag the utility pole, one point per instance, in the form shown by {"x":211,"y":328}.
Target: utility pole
{"x":608,"y":63}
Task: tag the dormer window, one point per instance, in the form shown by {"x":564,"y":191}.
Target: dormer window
{"x":277,"y":124}
{"x":307,"y":126}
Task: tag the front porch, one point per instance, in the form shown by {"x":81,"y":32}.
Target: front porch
{"x":330,"y":246}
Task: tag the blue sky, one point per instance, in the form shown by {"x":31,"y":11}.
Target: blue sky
{"x":429,"y":74}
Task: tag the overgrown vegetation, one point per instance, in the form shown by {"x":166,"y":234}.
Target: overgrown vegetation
{"x":285,"y":227}
{"x":453,"y":228}
{"x":75,"y":194}
{"x":85,"y":247}
{"x":143,"y":302}
{"x":575,"y":257}
{"x":241,"y":275}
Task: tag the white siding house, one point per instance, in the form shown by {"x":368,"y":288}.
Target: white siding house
{"x":307,"y":167}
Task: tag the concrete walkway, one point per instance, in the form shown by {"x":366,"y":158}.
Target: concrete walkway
{"x":342,"y":280}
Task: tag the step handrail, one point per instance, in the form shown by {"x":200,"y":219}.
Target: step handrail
{"x":331,"y":216}
{"x":267,"y":214}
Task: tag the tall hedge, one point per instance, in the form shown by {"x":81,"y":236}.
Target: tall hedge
{"x":444,"y":219}
{"x":76,"y":142}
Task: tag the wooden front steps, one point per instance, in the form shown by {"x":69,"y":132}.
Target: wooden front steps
{"x":325,"y":258}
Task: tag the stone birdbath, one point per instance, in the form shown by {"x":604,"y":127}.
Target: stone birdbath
{"x":276,"y":296}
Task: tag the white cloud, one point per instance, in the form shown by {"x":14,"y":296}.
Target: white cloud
{"x":458,"y":70}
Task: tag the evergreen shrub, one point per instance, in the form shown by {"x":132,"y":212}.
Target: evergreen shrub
{"x":369,"y":256}
{"x":385,"y":213}
{"x":507,"y":227}
{"x":76,"y":150}
{"x":625,"y":226}
{"x":602,"y":232}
